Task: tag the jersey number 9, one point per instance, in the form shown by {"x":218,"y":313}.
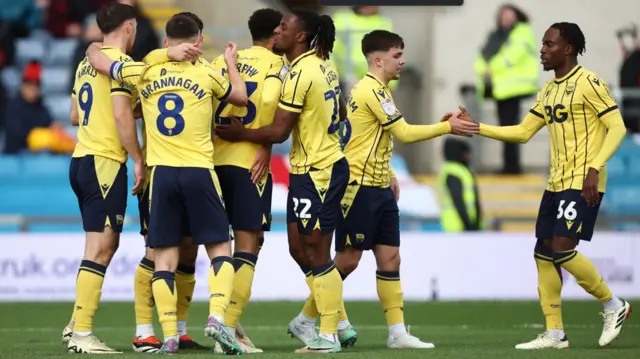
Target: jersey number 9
{"x":251,"y":108}
{"x":85,"y":104}
{"x":178,"y":106}
{"x":333,"y":95}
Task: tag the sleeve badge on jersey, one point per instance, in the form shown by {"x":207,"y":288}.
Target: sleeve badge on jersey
{"x":388,"y":106}
{"x":283,"y":72}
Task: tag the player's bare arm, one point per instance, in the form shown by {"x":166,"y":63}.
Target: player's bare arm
{"x":73,"y":110}
{"x":521,"y":133}
{"x":238,"y":95}
{"x":277,"y":132}
{"x":126,"y":126}
{"x":343,"y":109}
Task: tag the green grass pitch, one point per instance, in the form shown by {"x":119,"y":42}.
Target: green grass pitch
{"x":460,"y":330}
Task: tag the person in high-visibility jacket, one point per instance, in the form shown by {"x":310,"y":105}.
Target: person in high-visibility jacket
{"x":507,"y":71}
{"x":351,"y":26}
{"x":459,"y":200}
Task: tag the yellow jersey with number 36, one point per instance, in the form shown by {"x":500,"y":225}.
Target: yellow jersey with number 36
{"x":263,"y":73}
{"x":177,"y":107}
{"x":311,"y":89}
{"x":97,"y":132}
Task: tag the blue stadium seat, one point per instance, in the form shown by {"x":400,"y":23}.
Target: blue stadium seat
{"x":616,"y":167}
{"x":11,"y":78}
{"x":622,"y":199}
{"x":634,"y":167}
{"x":29,"y":49}
{"x":60,"y":52}
{"x":9,"y":168}
{"x":55,"y":80}
{"x":58,"y":106}
{"x":46,"y":168}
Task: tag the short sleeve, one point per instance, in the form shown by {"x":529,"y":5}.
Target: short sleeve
{"x":384,"y":108}
{"x":125,"y":75}
{"x":219,"y":65}
{"x":220,"y":85}
{"x":596,"y":93}
{"x":294,"y":91}
{"x":157,"y":56}
{"x":278,"y":70}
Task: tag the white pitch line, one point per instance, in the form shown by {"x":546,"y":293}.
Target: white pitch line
{"x":276,"y":328}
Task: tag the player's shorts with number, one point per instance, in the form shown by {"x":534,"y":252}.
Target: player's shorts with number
{"x":100,"y":184}
{"x":186,"y":201}
{"x":248,"y":204}
{"x":566,"y":214}
{"x":371,"y":217}
{"x":143,"y":204}
{"x":314,"y":198}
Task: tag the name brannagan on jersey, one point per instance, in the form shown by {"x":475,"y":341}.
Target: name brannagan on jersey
{"x":263,"y":73}
{"x":170,"y":93}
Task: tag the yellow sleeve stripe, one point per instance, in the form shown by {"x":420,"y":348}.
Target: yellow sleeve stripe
{"x":393,"y":120}
{"x":536,"y":113}
{"x":612,"y":108}
{"x":120,"y":89}
{"x":290,"y":107}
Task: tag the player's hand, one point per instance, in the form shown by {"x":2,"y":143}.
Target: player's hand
{"x":231,"y":53}
{"x":464,"y":115}
{"x":139,"y":177}
{"x":93,"y":47}
{"x":395,"y":187}
{"x":590,"y":188}
{"x":184,"y":52}
{"x":260,"y":164}
{"x":137,"y":111}
{"x":446,"y":117}
{"x":462,"y":127}
{"x":232,"y":132}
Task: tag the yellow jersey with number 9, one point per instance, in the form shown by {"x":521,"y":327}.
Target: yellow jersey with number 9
{"x":177,"y":107}
{"x":263,"y":73}
{"x":97,"y":132}
{"x":311,"y":89}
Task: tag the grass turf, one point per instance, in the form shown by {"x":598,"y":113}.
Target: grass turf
{"x":460,"y":330}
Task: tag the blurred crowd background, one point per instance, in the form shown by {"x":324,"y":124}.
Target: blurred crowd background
{"x":483,"y":55}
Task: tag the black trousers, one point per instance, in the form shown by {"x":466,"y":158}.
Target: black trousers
{"x":509,"y":115}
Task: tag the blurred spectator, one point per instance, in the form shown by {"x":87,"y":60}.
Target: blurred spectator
{"x":146,"y":38}
{"x":27,"y":14}
{"x":91,"y":34}
{"x":351,"y":26}
{"x":507,"y":70}
{"x":301,"y":4}
{"x":27,"y":111}
{"x":630,"y":80}
{"x":459,"y":197}
{"x":65,"y":17}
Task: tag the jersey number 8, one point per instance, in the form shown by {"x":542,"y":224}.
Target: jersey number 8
{"x":178,"y":106}
{"x":251,"y":108}
{"x":333,"y":95}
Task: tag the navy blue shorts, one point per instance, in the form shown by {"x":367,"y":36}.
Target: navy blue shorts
{"x":186,"y":201}
{"x":566,"y":214}
{"x":314,"y":198}
{"x":143,"y":205}
{"x":100,"y":184}
{"x":248,"y":204}
{"x":371,"y":217}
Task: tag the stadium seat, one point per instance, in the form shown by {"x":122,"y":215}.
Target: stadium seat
{"x":55,"y":80}
{"x":46,"y":168}
{"x":58,"y":106}
{"x":10,"y":168}
{"x":616,"y":167}
{"x":634,"y":168}
{"x":11,"y":78}
{"x":623,"y":200}
{"x":60,"y":52}
{"x":29,"y":49}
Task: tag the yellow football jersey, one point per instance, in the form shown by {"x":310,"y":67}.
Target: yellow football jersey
{"x":311,"y":89}
{"x":97,"y":132}
{"x":263,"y":73}
{"x":372,"y":113}
{"x":574,"y":108}
{"x":177,"y":106}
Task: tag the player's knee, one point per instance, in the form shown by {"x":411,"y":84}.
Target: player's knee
{"x":101,"y":247}
{"x":247,"y":242}
{"x":222,"y":249}
{"x":387,"y":258}
{"x":347,"y":261}
{"x":167,"y":258}
{"x":148,"y":254}
{"x":188,"y":254}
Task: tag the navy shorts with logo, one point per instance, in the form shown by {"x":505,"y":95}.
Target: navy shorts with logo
{"x":566,"y":214}
{"x":100,"y":184}
{"x":248,"y":204}
{"x":314,"y":198}
{"x":371,"y":217}
{"x":186,"y":201}
{"x":143,"y":204}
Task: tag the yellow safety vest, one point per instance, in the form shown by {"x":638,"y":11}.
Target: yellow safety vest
{"x":449,"y":218}
{"x":515,"y":68}
{"x":350,"y":29}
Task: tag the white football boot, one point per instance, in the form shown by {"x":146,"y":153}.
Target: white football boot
{"x":613,"y":321}
{"x":544,"y":341}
